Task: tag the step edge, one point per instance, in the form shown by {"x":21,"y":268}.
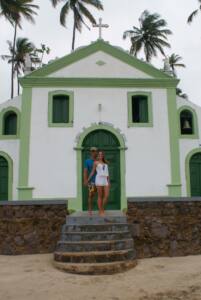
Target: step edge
{"x":96,"y":253}
{"x":93,"y":242}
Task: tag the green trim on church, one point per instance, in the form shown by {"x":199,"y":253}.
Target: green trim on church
{"x":96,"y":46}
{"x":24,"y":191}
{"x":10,"y":174}
{"x":174,"y":188}
{"x":77,"y":203}
{"x":149,"y":109}
{"x":195,"y":134}
{"x":2,"y":114}
{"x":70,"y":112}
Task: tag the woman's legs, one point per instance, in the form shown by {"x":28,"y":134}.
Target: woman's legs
{"x":100,"y":198}
{"x":105,"y":195}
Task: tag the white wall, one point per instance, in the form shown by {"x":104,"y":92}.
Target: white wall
{"x":11,"y":147}
{"x":87,"y":67}
{"x":53,"y":168}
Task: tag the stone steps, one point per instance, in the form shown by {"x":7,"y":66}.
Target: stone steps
{"x":84,"y":246}
{"x":97,"y":227}
{"x":95,"y":245}
{"x":96,"y":268}
{"x":95,"y":236}
{"x":94,"y":256}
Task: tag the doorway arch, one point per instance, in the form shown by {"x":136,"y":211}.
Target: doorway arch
{"x":78,"y":204}
{"x":105,"y":141}
{"x":6,"y":177}
{"x":193,"y":173}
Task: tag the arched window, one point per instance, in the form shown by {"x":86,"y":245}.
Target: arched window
{"x":10,"y":123}
{"x":186,"y":122}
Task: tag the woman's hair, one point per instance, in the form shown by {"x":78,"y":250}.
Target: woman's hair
{"x":103,"y":159}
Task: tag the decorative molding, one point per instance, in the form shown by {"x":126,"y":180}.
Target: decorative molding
{"x":99,"y":125}
{"x":100,"y":63}
{"x":98,"y":82}
{"x":100,"y":45}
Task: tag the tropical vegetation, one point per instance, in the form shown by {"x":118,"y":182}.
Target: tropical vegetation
{"x":194,"y":13}
{"x":80,"y":12}
{"x":14,"y":11}
{"x":175,"y":62}
{"x":150,"y":36}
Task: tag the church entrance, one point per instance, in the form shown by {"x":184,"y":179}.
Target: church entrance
{"x":195,"y":175}
{"x":109,"y":144}
{"x":3,"y":179}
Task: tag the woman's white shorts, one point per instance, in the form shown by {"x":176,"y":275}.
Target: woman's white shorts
{"x":101,"y":181}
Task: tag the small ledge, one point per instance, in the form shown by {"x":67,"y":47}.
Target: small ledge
{"x":33,"y":202}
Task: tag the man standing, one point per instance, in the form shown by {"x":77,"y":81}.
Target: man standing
{"x":88,"y":166}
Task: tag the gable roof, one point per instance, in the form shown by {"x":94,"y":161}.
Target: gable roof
{"x":99,"y":45}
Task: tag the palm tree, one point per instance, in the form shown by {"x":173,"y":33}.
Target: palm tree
{"x":194,"y":13}
{"x":8,"y":9}
{"x":17,"y":59}
{"x":80,"y":11}
{"x":174,"y":61}
{"x":14,"y":11}
{"x":151,"y":36}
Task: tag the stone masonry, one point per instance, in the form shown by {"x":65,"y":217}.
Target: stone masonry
{"x":165,"y":227}
{"x":30,"y":227}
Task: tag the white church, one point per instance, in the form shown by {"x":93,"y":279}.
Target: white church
{"x":99,"y":96}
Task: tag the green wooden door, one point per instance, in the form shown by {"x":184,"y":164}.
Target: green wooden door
{"x":3,"y":179}
{"x":195,"y":175}
{"x":107,"y":142}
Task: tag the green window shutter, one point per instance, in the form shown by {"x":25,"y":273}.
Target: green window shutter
{"x":143,"y":110}
{"x":140,"y":109}
{"x":10,"y":124}
{"x":60,"y":109}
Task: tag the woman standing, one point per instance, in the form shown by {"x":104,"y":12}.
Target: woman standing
{"x":102,"y":181}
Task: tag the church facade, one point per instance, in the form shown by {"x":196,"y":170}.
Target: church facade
{"x":99,"y":96}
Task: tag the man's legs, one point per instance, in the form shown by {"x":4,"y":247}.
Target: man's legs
{"x":92,"y":192}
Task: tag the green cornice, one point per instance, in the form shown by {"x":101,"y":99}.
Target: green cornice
{"x":99,"y":45}
{"x":97,"y":82}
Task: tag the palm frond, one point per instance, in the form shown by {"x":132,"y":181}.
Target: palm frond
{"x":64,"y":13}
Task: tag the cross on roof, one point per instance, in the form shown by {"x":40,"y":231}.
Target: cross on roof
{"x":100,"y":26}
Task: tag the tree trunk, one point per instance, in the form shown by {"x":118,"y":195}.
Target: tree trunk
{"x":74,"y":30}
{"x":13,"y":56}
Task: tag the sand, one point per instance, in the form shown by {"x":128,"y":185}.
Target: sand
{"x":33,"y":277}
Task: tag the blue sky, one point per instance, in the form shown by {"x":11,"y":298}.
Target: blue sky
{"x":120,"y":15}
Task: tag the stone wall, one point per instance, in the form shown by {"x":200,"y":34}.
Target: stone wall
{"x":166,"y":227}
{"x":30,"y":227}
